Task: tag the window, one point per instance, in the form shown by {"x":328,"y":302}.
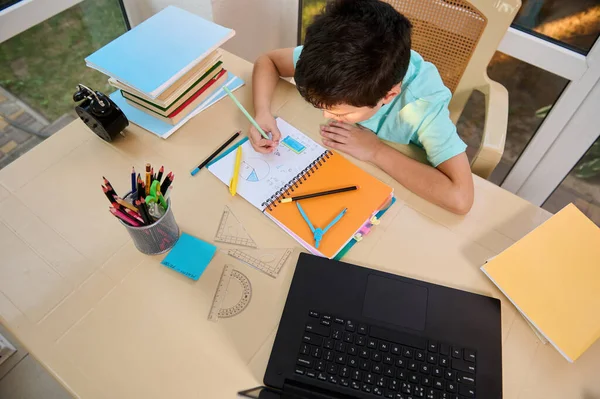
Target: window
{"x":531,"y":94}
{"x":7,"y":3}
{"x":581,"y":186}
{"x":574,"y":23}
{"x":40,"y":67}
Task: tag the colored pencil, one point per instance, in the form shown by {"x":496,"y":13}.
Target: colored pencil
{"x":167,"y":182}
{"x":108,"y":195}
{"x":168,"y":193}
{"x":133,"y":184}
{"x":111,"y":190}
{"x":319,"y":194}
{"x":134,"y":215}
{"x":141,"y":205}
{"x":241,"y":107}
{"x":236,"y":171}
{"x":214,"y":154}
{"x":148,"y":182}
{"x":124,"y":217}
{"x":160,"y":173}
{"x":139,"y":191}
{"x":126,"y":204}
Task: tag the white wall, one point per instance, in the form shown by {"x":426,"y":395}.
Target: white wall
{"x":260,"y":25}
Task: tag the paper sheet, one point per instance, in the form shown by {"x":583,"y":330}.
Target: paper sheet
{"x":262,"y":175}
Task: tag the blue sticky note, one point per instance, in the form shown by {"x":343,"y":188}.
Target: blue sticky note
{"x":293,"y":144}
{"x":190,"y":256}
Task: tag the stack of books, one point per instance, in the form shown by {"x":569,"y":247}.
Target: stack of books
{"x":167,"y":69}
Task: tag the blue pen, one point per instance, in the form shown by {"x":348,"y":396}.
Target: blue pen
{"x":318,"y":232}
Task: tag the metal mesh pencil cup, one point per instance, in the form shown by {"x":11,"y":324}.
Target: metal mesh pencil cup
{"x":157,"y":238}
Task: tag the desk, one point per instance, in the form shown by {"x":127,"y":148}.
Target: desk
{"x":109,"y":322}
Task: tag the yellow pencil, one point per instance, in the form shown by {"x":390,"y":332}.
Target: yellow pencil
{"x":126,"y":204}
{"x":148,"y":179}
{"x":236,"y":171}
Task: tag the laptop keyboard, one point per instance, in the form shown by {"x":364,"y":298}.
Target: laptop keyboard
{"x":382,"y":362}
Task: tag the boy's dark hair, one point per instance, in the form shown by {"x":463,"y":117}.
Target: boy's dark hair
{"x":354,"y":53}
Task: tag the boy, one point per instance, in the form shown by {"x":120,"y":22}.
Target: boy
{"x":357,"y":67}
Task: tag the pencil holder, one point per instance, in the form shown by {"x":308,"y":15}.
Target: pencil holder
{"x":157,"y":238}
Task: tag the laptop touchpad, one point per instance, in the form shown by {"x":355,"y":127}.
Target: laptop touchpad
{"x":395,"y":302}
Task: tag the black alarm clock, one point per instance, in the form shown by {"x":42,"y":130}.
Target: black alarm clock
{"x":99,"y":113}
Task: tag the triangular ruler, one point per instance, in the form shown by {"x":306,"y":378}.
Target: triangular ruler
{"x":269,"y":261}
{"x":231,"y":231}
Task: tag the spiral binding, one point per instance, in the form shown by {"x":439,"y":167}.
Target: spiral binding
{"x":292,"y":185}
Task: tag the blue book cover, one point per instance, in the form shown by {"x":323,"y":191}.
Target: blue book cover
{"x":157,"y":52}
{"x":161,"y":128}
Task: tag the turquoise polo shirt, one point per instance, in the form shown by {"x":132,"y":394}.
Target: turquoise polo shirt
{"x":419,"y":114}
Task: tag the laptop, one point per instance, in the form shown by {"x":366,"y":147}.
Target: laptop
{"x":351,"y":332}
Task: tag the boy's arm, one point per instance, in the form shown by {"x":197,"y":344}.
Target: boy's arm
{"x":449,"y":186}
{"x":267,"y":70}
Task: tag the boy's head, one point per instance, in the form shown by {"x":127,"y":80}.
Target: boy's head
{"x":355,"y":56}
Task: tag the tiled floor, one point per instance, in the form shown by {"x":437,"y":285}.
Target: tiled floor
{"x":22,"y":377}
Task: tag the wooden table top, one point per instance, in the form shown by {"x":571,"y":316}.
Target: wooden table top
{"x":107,"y":321}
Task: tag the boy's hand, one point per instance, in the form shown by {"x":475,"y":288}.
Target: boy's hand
{"x":354,"y":140}
{"x":268,"y":124}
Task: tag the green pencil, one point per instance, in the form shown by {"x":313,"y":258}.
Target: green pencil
{"x":241,"y":107}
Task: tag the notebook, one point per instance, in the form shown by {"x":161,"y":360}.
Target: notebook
{"x":303,"y":166}
{"x":190,"y":92}
{"x":156,"y":53}
{"x":164,"y":129}
{"x":190,"y":104}
{"x":552,"y":276}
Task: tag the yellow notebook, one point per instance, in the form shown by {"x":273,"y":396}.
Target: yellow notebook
{"x":552,"y":276}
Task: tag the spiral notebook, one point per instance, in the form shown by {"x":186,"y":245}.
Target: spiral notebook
{"x":298,"y":166}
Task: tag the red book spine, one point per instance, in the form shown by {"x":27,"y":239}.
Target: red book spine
{"x":197,"y":94}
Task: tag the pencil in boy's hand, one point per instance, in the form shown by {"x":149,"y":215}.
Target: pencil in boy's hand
{"x":214,"y":154}
{"x":250,"y":118}
{"x":319,"y":194}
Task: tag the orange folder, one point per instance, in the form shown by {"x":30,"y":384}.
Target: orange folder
{"x":332,"y":172}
